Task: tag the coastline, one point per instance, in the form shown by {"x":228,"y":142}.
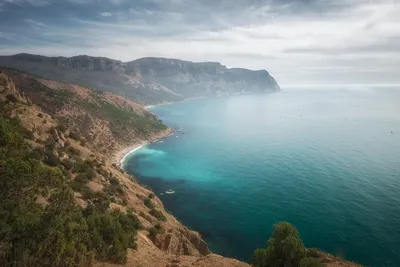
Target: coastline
{"x":121,"y":155}
{"x":174,"y":102}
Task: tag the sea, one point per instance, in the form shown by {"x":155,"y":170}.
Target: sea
{"x":325,"y":159}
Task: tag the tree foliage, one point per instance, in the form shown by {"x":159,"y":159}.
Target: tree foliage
{"x":284,"y":249}
{"x":40,"y":222}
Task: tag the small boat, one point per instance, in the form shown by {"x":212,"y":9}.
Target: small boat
{"x":170,"y":191}
{"x":161,"y":194}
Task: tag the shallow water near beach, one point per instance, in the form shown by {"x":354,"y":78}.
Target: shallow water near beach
{"x":326,"y":160}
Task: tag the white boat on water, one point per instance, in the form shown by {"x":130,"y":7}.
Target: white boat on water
{"x":170,"y":191}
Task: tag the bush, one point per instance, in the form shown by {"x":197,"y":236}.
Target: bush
{"x":285,"y":248}
{"x":147,"y":202}
{"x":81,"y":179}
{"x":90,"y":173}
{"x":40,"y":115}
{"x":158,"y":214}
{"x":11,"y":98}
{"x":153,"y":232}
{"x":51,"y":159}
{"x":114,"y":181}
{"x":81,"y":167}
{"x":36,"y":153}
{"x":111,"y":235}
{"x":151,"y":196}
{"x":72,"y":151}
{"x":74,"y":135}
{"x":68,"y":164}
{"x":83,"y":142}
{"x":50,"y":144}
{"x":61,"y":127}
{"x":147,"y":217}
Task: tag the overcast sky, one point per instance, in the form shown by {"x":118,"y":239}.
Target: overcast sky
{"x":298,"y":42}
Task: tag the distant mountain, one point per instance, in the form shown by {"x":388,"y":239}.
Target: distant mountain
{"x":146,"y":80}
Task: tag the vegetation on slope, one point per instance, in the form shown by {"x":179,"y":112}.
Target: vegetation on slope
{"x":101,"y":119}
{"x":40,"y":221}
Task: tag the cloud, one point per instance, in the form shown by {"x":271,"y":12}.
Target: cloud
{"x":105,"y":14}
{"x":21,"y":3}
{"x":313,"y":41}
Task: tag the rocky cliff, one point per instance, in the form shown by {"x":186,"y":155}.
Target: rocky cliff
{"x":146,"y":80}
{"x":86,"y":173}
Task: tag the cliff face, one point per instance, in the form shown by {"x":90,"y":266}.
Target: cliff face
{"x":147,"y":80}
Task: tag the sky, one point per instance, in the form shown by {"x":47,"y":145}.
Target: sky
{"x":303,"y":42}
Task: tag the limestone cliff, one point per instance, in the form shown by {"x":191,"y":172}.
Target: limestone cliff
{"x":146,"y":80}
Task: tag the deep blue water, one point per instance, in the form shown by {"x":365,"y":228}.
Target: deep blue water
{"x":327,"y":161}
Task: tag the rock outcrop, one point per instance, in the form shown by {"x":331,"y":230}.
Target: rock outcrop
{"x":182,"y":241}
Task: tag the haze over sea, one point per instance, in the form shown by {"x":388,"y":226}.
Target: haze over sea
{"x":324,"y":159}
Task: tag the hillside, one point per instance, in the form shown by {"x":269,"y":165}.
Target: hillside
{"x":66,"y":204}
{"x":104,"y":121}
{"x":146,"y":80}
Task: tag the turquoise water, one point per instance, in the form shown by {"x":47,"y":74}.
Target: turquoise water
{"x":328,"y":161}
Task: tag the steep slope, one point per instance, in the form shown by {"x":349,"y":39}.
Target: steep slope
{"x":64,"y":204}
{"x":147,"y":80}
{"x":106,"y":122}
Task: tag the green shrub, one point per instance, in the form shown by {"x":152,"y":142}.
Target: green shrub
{"x":74,"y":135}
{"x":72,"y":151}
{"x":9,"y":135}
{"x":147,"y":217}
{"x":153,"y":232}
{"x":50,"y":144}
{"x":51,"y":159}
{"x":36,"y":153}
{"x":81,"y":178}
{"x":114,"y":181}
{"x":285,"y":248}
{"x":67,"y":163}
{"x":148,"y":203}
{"x":158,"y":214}
{"x":90,"y":173}
{"x":81,"y":166}
{"x":111,"y":235}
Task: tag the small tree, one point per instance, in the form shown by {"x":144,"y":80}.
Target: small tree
{"x":285,"y":248}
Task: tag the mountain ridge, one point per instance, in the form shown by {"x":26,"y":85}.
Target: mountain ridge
{"x":148,"y":80}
